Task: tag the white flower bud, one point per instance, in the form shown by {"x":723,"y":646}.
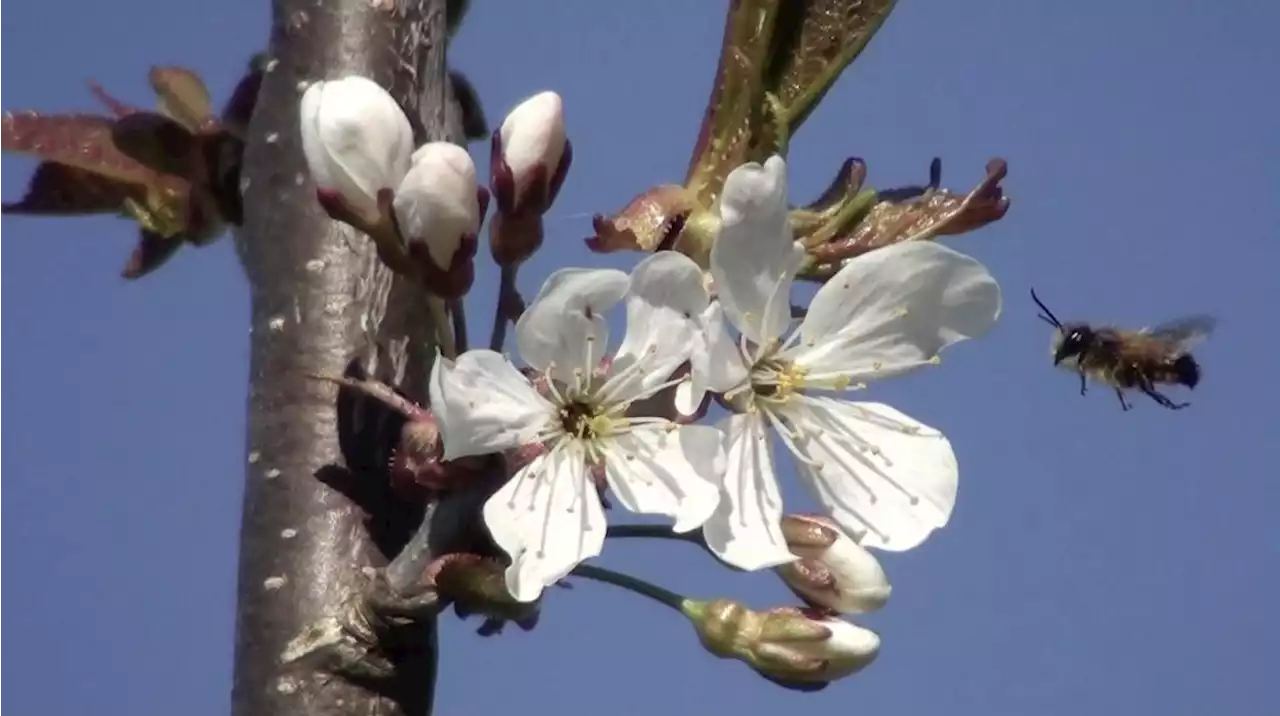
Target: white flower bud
{"x":533,"y":136}
{"x":848,"y":650}
{"x":793,"y":647}
{"x":834,"y":572}
{"x":356,"y":139}
{"x":437,"y":202}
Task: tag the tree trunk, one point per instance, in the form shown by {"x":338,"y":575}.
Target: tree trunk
{"x":320,"y":300}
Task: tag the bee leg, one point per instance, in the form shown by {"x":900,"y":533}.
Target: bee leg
{"x":1163,"y":400}
{"x":1084,"y":387}
{"x":1124,"y":404}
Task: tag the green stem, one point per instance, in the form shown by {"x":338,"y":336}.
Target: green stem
{"x":655,"y":532}
{"x":632,"y":584}
{"x":664,"y":532}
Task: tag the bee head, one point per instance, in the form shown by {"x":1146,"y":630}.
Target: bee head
{"x":1070,"y":341}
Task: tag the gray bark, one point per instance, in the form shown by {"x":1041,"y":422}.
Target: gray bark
{"x":321,"y":299}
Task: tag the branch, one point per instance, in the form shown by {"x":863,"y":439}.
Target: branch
{"x":320,"y":298}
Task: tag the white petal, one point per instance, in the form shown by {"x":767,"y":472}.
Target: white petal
{"x":754,"y":259}
{"x":548,"y":519}
{"x":565,"y":326}
{"x":436,"y":201}
{"x":663,"y":305}
{"x":887,"y":479}
{"x":484,"y":405}
{"x":744,"y":531}
{"x":893,"y":309}
{"x":673,"y":473}
{"x":716,"y":364}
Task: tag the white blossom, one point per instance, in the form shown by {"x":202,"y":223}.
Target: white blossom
{"x":548,"y":516}
{"x":356,"y":139}
{"x":887,"y":479}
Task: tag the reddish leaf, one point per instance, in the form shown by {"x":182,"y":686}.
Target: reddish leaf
{"x":157,"y":142}
{"x":83,"y":141}
{"x":60,"y":190}
{"x":183,"y":98}
{"x":118,"y":108}
{"x":917,"y":214}
{"x":239,"y":108}
{"x":152,"y":251}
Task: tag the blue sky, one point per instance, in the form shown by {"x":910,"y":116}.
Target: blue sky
{"x":1097,"y":562}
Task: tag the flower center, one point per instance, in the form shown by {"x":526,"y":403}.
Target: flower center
{"x":579,"y":419}
{"x":776,"y":380}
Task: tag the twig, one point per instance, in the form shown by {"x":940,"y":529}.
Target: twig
{"x":508,"y":297}
{"x":444,"y":330}
{"x":631,"y":584}
{"x":664,"y":532}
{"x":458,"y":313}
{"x":405,"y":571}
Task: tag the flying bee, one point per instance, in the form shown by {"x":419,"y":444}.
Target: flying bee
{"x":1128,"y":360}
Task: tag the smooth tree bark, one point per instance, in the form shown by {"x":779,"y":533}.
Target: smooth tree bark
{"x":321,"y":304}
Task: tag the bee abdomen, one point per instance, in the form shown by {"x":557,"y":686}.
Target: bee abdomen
{"x":1185,"y":370}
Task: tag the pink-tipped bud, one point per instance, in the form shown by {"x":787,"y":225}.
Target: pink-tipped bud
{"x":529,"y":160}
{"x":834,"y":573}
{"x":439,"y":208}
{"x":532,"y":147}
{"x":357,"y":142}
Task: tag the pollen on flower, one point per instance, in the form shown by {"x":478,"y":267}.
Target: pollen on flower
{"x":578,"y":419}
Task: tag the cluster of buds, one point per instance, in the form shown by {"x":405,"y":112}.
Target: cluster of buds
{"x":423,"y":207}
{"x":803,"y":648}
{"x":797,"y":648}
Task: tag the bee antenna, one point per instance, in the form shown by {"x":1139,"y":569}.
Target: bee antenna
{"x":1047,"y":316}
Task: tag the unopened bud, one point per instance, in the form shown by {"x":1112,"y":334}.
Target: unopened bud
{"x":834,"y":573}
{"x":531,"y":156}
{"x":357,"y":143}
{"x":786,"y":645}
{"x":529,"y":160}
{"x":417,"y":468}
{"x":439,"y":208}
{"x":477,"y":585}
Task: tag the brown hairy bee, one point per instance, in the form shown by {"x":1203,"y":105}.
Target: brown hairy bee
{"x":1128,"y":360}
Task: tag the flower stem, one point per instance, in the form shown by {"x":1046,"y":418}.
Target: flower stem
{"x":632,"y":584}
{"x":502,"y":313}
{"x":664,"y":532}
{"x":458,"y":312}
{"x":655,"y":532}
{"x":444,"y":332}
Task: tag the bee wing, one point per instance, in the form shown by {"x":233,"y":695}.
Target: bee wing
{"x":1185,"y":331}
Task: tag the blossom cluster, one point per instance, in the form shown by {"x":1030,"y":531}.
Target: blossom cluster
{"x":632,"y":419}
